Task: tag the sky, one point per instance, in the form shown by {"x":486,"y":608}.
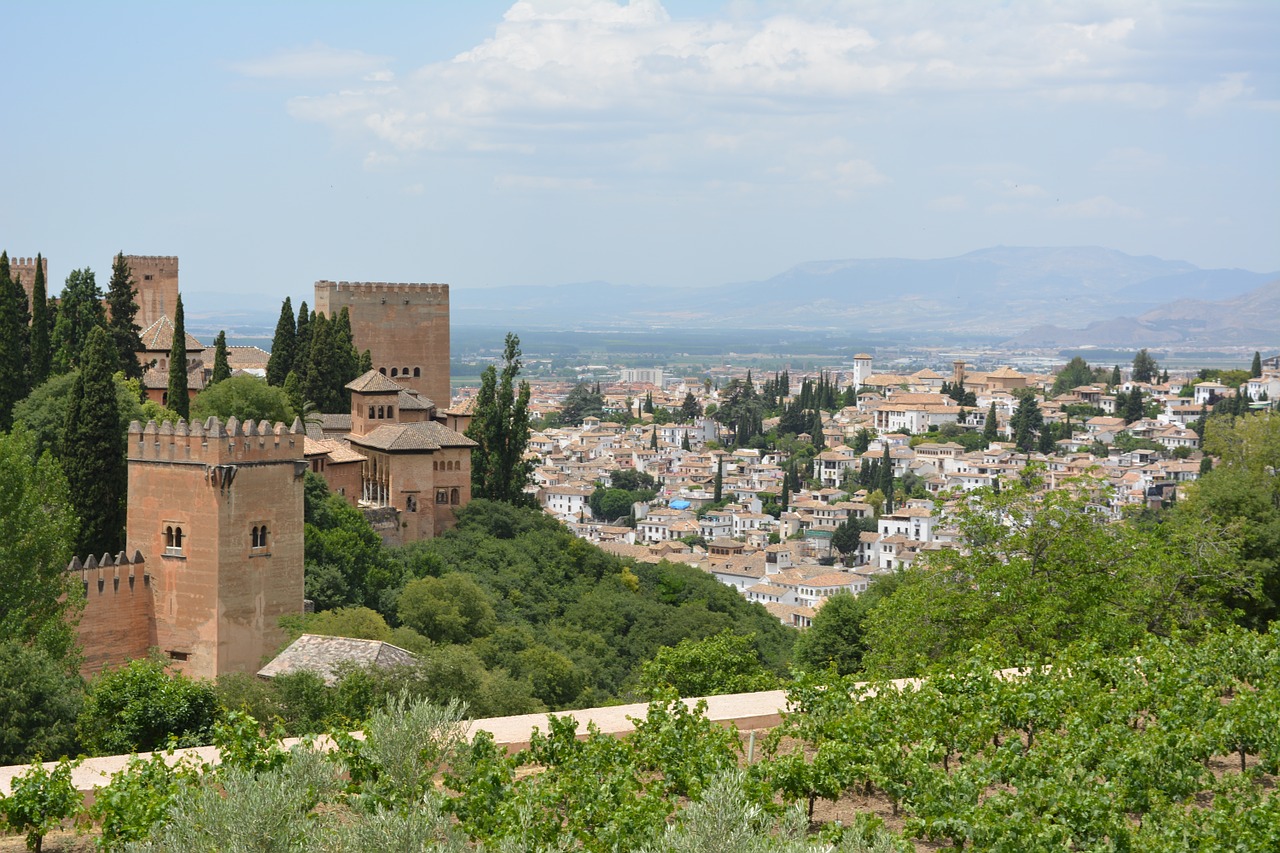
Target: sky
{"x":269,"y":145}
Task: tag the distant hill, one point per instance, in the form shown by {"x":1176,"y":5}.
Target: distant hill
{"x":1023,"y":296}
{"x":988,"y":293}
{"x":1251,"y":318}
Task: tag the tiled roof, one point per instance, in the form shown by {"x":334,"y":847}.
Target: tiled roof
{"x":324,"y":655}
{"x":374,"y":382}
{"x":159,"y":337}
{"x":411,"y":402}
{"x":413,"y":436}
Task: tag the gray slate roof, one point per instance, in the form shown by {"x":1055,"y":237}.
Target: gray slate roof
{"x":325,"y":655}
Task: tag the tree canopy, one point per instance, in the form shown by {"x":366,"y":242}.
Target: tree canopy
{"x":500,"y":425}
{"x":246,"y":398}
{"x":1044,"y":570}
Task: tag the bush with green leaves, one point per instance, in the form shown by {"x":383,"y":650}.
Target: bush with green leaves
{"x":40,"y":800}
{"x":138,"y":798}
{"x":143,"y":706}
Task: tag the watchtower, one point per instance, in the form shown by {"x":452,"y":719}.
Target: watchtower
{"x":24,"y":270}
{"x":405,"y":327}
{"x":156,"y":278}
{"x":218,"y":510}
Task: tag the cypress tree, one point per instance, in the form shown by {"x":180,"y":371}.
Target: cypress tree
{"x":786,"y":491}
{"x":302,"y":342}
{"x":991,"y":429}
{"x":40,"y":327}
{"x":886,"y":479}
{"x":178,"y":399}
{"x":94,"y":450}
{"x":718,"y":494}
{"x":346,"y":358}
{"x":318,"y":367}
{"x":1115,"y":376}
{"x":123,"y":309}
{"x":283,"y":346}
{"x":221,"y":369}
{"x":366,"y":363}
{"x":79,"y":310}
{"x":12,"y":365}
{"x":1255,"y":370}
{"x":1133,"y":407}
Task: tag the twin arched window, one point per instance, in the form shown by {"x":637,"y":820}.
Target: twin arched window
{"x":172,"y":539}
{"x":258,"y":537}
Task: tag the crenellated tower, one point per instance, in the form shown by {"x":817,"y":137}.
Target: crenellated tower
{"x":217,"y":509}
{"x":156,"y":278}
{"x":24,"y":270}
{"x":405,"y":327}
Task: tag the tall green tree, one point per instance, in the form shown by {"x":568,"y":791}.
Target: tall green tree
{"x":991,"y":427}
{"x":1145,"y":367}
{"x":1133,"y":406}
{"x":79,"y":310}
{"x":1027,"y":422}
{"x":13,"y":367}
{"x":93,"y":450}
{"x":1116,"y":379}
{"x":500,"y":426}
{"x":221,"y":369}
{"x":1076,"y":373}
{"x":583,"y":401}
{"x":302,"y":340}
{"x":346,"y":358}
{"x":122,"y":308}
{"x":1255,"y":369}
{"x":886,"y":479}
{"x":39,"y":524}
{"x":41,"y":354}
{"x":283,"y":345}
{"x":178,"y":399}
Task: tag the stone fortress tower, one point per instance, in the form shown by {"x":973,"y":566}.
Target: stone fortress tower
{"x":156,"y":279}
{"x":217,"y":509}
{"x":405,"y":327}
{"x":24,"y":270}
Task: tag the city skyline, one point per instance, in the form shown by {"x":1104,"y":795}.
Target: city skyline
{"x":686,"y":143}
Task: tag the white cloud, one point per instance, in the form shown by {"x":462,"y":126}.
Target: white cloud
{"x":1097,"y":207}
{"x":1229,"y":88}
{"x":316,"y":62}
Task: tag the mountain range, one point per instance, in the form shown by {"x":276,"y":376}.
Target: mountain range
{"x":1016,"y":296}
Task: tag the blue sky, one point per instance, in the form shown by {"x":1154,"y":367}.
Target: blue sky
{"x":676,"y":143}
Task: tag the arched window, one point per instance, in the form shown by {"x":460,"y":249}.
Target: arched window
{"x":417,"y":371}
{"x":394,"y":372}
{"x":382,"y":370}
{"x":168,"y":537}
{"x":404,"y":371}
{"x":177,"y":539}
{"x":260,"y":537}
{"x":382,"y":412}
{"x":253,"y":538}
{"x":391,"y":413}
{"x":371,"y":411}
{"x":454,"y":496}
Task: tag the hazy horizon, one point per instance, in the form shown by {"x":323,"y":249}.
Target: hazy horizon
{"x":687,"y":143}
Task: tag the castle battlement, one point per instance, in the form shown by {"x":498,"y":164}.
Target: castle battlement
{"x":102,"y":574}
{"x":215,"y":443}
{"x":154,"y":258}
{"x":28,"y":263}
{"x":385,"y":286}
